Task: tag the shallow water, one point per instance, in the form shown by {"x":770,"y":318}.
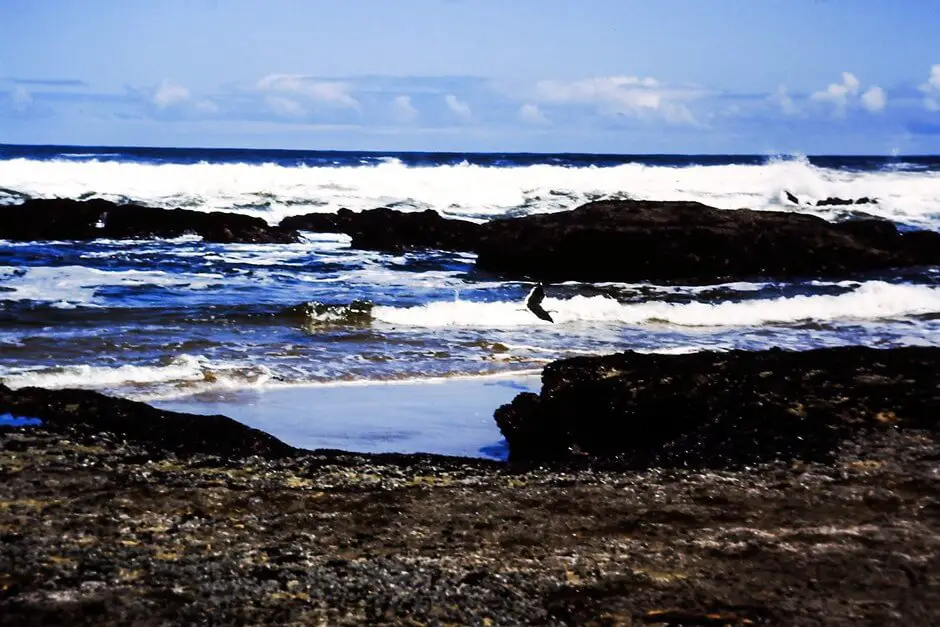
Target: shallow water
{"x":446,"y":416}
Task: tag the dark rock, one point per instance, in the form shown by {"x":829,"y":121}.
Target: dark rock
{"x":66,"y":219}
{"x":792,"y":198}
{"x":873,"y":232}
{"x":391,"y":230}
{"x":716,"y":410}
{"x":836,"y":201}
{"x":629,"y":240}
{"x":84,"y":413}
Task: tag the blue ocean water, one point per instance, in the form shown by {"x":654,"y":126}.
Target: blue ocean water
{"x":337,"y":158}
{"x":155,"y":319}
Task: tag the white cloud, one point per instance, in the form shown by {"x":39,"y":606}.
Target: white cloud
{"x":933,"y":81}
{"x":20,"y":98}
{"x":531,"y":114}
{"x":783,"y":100}
{"x":285,"y":107}
{"x":626,"y":95}
{"x":326,"y":92}
{"x":931,"y":89}
{"x":846,"y":94}
{"x":403,"y":110}
{"x":168,"y":94}
{"x":838,"y":93}
{"x":874,"y":100}
{"x":458,"y":107}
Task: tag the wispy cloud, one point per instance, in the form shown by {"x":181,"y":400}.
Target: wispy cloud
{"x":20,"y":98}
{"x":531,"y":114}
{"x":284,"y":107}
{"x":48,"y":82}
{"x":458,"y":107}
{"x":782,"y":99}
{"x":624,"y":95}
{"x":403,"y":110}
{"x":336,"y":93}
{"x":168,"y":93}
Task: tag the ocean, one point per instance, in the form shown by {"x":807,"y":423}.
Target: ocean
{"x":220,"y":328}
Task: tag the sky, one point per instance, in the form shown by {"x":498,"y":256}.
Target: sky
{"x":613,"y":76}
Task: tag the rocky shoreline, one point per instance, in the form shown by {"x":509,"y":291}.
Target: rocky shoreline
{"x":113,"y":512}
{"x":621,"y":240}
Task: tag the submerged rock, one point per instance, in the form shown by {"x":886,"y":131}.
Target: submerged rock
{"x":66,"y":219}
{"x":84,"y":413}
{"x":392,"y":230}
{"x":718,"y":410}
{"x":629,"y":240}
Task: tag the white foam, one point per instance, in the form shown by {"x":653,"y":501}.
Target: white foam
{"x":273,"y":191}
{"x":69,"y":286}
{"x":872,"y":300}
{"x":189,"y":372}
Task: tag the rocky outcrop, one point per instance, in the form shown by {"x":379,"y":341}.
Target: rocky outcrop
{"x":721,"y":410}
{"x":832,"y":201}
{"x":65,"y":219}
{"x":630,"y":240}
{"x":83,"y":413}
{"x":835,"y":201}
{"x":622,"y":240}
{"x":391,"y":230}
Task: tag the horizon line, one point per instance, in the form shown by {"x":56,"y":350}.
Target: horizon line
{"x":472,"y":152}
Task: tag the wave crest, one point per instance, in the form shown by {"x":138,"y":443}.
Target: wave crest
{"x":273,"y":191}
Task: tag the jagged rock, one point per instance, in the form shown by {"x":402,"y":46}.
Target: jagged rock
{"x":719,"y":410}
{"x":85,"y":413}
{"x":836,"y":201}
{"x":391,"y":230}
{"x":629,"y":240}
{"x":66,"y":219}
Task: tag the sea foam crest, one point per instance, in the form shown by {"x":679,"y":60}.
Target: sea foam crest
{"x":182,"y":374}
{"x":274,"y":191}
{"x":872,"y":300}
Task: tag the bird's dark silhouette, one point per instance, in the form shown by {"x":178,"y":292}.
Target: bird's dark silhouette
{"x":534,"y":302}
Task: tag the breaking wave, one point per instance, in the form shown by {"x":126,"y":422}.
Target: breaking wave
{"x":181,"y":374}
{"x":873,"y":300}
{"x":274,"y":191}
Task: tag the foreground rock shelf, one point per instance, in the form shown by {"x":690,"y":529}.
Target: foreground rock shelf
{"x":112,"y":513}
{"x":721,"y":410}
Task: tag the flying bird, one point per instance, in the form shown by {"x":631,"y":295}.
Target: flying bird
{"x":534,"y":302}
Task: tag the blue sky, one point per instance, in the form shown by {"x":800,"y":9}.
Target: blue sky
{"x":684,"y":76}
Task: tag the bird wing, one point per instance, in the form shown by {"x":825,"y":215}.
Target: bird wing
{"x":535,"y":297}
{"x":534,"y":302}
